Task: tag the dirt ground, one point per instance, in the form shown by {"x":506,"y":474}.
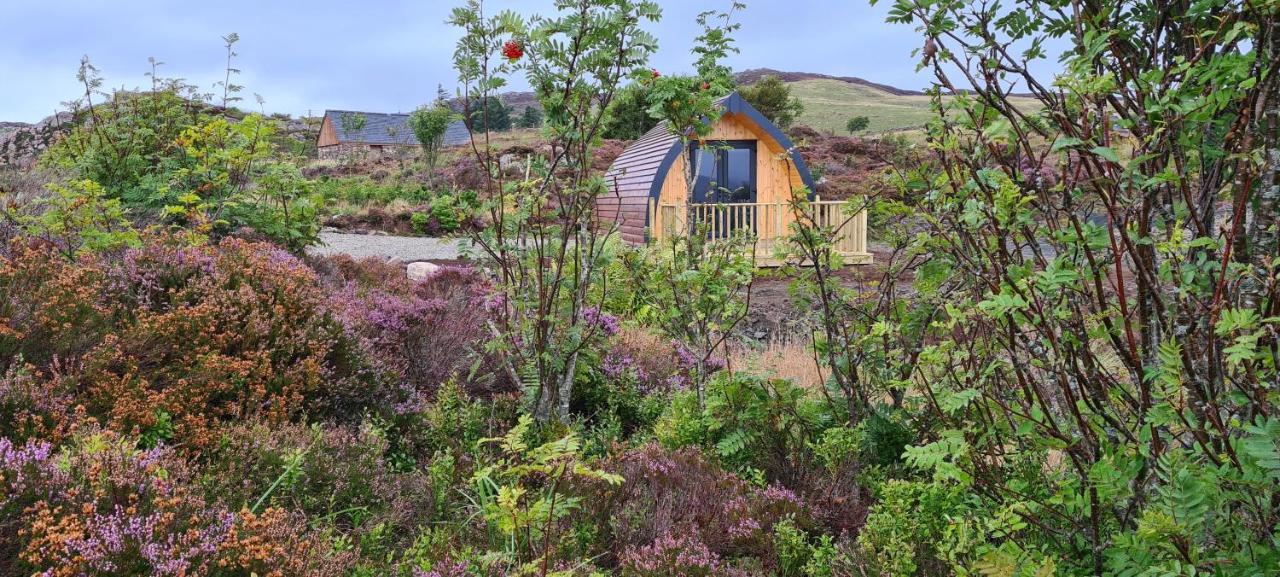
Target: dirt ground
{"x":773,"y":311}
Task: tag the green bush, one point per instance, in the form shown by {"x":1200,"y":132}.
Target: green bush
{"x":166,"y":157}
{"x":363,"y":191}
{"x":78,"y":217}
{"x":906,"y":532}
{"x":772,"y":97}
{"x":446,"y":212}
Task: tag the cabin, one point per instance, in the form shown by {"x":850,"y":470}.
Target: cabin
{"x":346,"y":134}
{"x":747,"y":170}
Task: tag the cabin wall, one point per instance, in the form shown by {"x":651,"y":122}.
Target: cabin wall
{"x":776,"y":176}
{"x":362,"y":151}
{"x":328,"y":136}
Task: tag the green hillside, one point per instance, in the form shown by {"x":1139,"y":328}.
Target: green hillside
{"x":829,"y":104}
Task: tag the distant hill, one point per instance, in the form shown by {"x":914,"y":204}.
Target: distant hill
{"x":516,"y":101}
{"x":754,"y":75}
{"x":830,"y":101}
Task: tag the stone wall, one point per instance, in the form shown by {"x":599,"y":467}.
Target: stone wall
{"x":358,"y":151}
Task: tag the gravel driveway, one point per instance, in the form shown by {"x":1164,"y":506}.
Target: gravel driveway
{"x":394,"y":248}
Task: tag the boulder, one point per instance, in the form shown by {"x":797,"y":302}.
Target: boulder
{"x":421,"y":270}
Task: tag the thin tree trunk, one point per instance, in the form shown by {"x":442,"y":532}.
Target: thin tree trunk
{"x":1263,"y":234}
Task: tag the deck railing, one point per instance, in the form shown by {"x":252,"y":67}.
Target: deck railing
{"x":769,"y":223}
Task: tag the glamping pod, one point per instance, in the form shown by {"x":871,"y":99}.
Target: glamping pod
{"x":746,"y":172}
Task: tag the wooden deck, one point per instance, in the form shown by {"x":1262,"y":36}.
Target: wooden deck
{"x":769,"y":223}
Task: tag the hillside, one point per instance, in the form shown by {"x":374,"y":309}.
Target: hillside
{"x":755,"y":74}
{"x":830,"y":101}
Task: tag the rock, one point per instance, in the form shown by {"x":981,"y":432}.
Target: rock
{"x":421,"y":270}
{"x":21,"y":144}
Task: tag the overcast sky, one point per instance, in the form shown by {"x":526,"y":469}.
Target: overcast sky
{"x":382,"y":55}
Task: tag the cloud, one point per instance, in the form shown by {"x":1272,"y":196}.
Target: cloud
{"x":382,"y":55}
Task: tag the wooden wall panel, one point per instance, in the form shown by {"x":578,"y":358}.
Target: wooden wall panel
{"x":775,"y":176}
{"x":328,"y":136}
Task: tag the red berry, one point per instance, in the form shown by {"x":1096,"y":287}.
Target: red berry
{"x":512,"y":50}
{"x":706,"y":86}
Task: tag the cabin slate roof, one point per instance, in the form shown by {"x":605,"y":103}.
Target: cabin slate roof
{"x":389,"y":129}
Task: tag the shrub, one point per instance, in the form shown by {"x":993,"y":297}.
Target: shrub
{"x":628,"y":117}
{"x":78,"y":217}
{"x":362,"y":190}
{"x":670,"y":493}
{"x":445,"y":211}
{"x":904,"y":533}
{"x":183,"y":334}
{"x":857,"y":124}
{"x":771,"y":430}
{"x":429,"y":124}
{"x":422,"y":223}
{"x":101,"y":507}
{"x":171,"y":157}
{"x":527,"y":493}
{"x":799,"y":555}
{"x":425,"y":332}
{"x":772,"y":97}
{"x":340,"y":477}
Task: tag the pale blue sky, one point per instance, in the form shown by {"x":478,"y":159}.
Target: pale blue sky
{"x":382,"y":55}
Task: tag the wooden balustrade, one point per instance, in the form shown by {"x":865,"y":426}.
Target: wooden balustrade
{"x":769,"y":223}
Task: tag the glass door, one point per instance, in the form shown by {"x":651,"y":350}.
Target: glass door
{"x":726,"y":175}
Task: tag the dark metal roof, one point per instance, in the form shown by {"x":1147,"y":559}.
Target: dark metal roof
{"x":383,"y":128}
{"x":638,"y":174}
{"x":457,"y":134}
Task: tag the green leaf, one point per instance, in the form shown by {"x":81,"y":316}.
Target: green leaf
{"x":1260,"y":444}
{"x":1107,"y":153}
{"x":1066,"y":142}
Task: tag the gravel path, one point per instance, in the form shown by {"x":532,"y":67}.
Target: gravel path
{"x":395,"y":248}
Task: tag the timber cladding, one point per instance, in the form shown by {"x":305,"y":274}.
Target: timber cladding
{"x":651,"y":171}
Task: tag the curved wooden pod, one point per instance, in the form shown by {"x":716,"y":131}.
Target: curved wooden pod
{"x":650,"y":197}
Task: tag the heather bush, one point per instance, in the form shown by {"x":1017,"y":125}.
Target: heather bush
{"x":624,"y":387}
{"x":645,"y":356}
{"x":101,"y":507}
{"x":678,"y":555}
{"x":244,"y":331}
{"x":340,"y":270}
{"x":424,"y":332}
{"x":340,"y":476}
{"x":48,"y":308}
{"x":772,"y":431}
{"x":188,"y":335}
{"x":36,"y":407}
{"x":668,"y":495}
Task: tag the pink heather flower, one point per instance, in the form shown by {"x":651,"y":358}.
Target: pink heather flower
{"x":682,"y":553}
{"x":745,"y":527}
{"x":779,"y":494}
{"x":603,"y":322}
